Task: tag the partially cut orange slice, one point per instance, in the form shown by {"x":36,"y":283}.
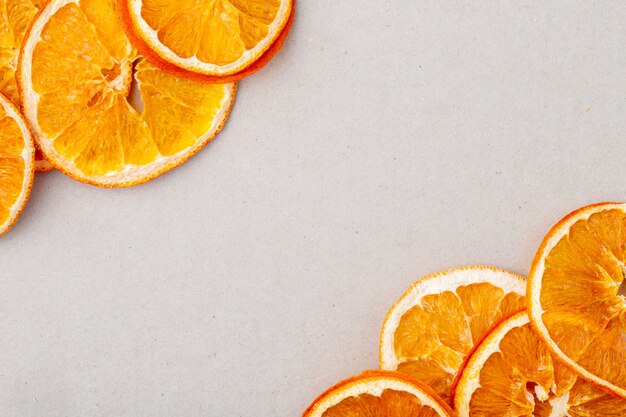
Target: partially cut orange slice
{"x":15,"y":17}
{"x":75,"y":74}
{"x":573,"y":293}
{"x":217,"y":38}
{"x":16,"y":164}
{"x":433,"y":326}
{"x":512,"y":373}
{"x":379,"y":393}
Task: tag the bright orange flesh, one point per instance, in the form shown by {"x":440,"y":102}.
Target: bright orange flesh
{"x":579,"y":304}
{"x":433,"y":336}
{"x":518,"y":376}
{"x":12,"y":165}
{"x":15,"y":17}
{"x":157,"y":60}
{"x":205,"y":30}
{"x":433,"y":339}
{"x":16,"y":164}
{"x":86,"y":125}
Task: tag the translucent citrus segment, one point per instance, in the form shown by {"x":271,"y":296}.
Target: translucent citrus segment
{"x":16,"y":164}
{"x":513,"y":373}
{"x":15,"y":16}
{"x":85,"y":123}
{"x":218,"y":37}
{"x":378,"y":393}
{"x":573,"y":293}
{"x":430,"y":330}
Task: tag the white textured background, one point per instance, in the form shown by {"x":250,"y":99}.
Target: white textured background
{"x":387,"y":140}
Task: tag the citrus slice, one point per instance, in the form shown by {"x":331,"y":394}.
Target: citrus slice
{"x":573,"y":293}
{"x":85,"y":124}
{"x":217,"y":38}
{"x":513,"y":373}
{"x":379,"y":393}
{"x":15,"y":16}
{"x":16,"y":164}
{"x":156,"y":59}
{"x":433,"y":326}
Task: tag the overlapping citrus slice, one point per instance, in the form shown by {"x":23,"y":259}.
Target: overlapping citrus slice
{"x":221,"y":38}
{"x":16,"y":164}
{"x":512,"y":373}
{"x":433,"y":326}
{"x":379,"y":393}
{"x":573,"y":293}
{"x":75,"y":73}
{"x":15,"y":16}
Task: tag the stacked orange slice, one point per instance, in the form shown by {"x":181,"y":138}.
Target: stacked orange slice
{"x":472,"y":336}
{"x":512,"y":373}
{"x":216,"y":41}
{"x":433,"y":326}
{"x":15,"y":17}
{"x":85,"y":124}
{"x":573,"y":296}
{"x":378,"y":393}
{"x":17,"y":154}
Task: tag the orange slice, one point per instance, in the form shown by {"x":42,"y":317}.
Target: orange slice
{"x":85,"y":124}
{"x":573,"y":293}
{"x":15,"y":16}
{"x":16,"y":164}
{"x":512,"y":373}
{"x":379,"y":393}
{"x":217,"y":38}
{"x":156,"y":59}
{"x":433,"y":326}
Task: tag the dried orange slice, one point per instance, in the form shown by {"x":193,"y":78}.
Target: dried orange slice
{"x":84,"y":123}
{"x":155,"y":58}
{"x":217,"y":38}
{"x":16,"y":164}
{"x":379,"y":393}
{"x":512,"y":373}
{"x":573,"y":293}
{"x":433,"y":326}
{"x":15,"y":16}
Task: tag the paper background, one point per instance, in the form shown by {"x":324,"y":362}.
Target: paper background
{"x":388,"y":140}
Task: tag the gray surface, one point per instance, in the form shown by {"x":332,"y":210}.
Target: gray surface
{"x":388,"y":140}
